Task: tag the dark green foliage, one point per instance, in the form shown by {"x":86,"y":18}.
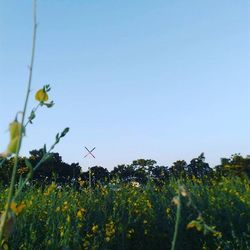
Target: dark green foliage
{"x":141,"y":170}
{"x":143,"y":217}
{"x":235,"y":165}
{"x":98,"y":175}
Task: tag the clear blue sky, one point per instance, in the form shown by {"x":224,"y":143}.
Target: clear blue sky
{"x":158,"y":79}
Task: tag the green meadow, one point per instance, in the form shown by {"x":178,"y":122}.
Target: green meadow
{"x":213,"y":215}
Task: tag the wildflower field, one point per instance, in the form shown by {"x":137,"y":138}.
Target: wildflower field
{"x":46,"y":203}
{"x":214,"y":214}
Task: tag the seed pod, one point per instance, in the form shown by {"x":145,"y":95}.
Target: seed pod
{"x":12,"y":147}
{"x":15,"y":129}
{"x":15,"y":133}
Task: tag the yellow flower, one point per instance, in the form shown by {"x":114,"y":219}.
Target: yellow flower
{"x":176,"y":201}
{"x":149,"y":205}
{"x":217,"y":234}
{"x":195,"y":224}
{"x":4,"y":245}
{"x":22,"y":170}
{"x":68,"y":219}
{"x":80,"y":213}
{"x":130,"y":233}
{"x":61,"y":230}
{"x":41,"y":95}
{"x":135,"y":184}
{"x":86,"y":244}
{"x":110,"y":229}
{"x":50,"y":189}
{"x":191,"y":225}
{"x":95,"y":229}
{"x":17,"y":209}
{"x":183,"y":191}
{"x":167,"y":211}
{"x":65,"y":206}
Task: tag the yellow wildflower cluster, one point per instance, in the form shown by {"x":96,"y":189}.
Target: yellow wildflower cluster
{"x":196,"y":180}
{"x":81,"y":182}
{"x":23,"y":170}
{"x":29,"y":202}
{"x":96,"y":219}
{"x":61,"y":230}
{"x":217,"y":234}
{"x":50,"y":189}
{"x":130,"y":233}
{"x":109,"y":230}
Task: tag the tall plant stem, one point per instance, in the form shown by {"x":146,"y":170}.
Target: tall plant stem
{"x":13,"y":177}
{"x":177,"y":221}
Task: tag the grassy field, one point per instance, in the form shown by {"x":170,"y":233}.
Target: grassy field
{"x":213,"y":215}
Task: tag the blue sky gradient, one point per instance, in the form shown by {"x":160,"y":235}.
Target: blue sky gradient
{"x":163,"y":80}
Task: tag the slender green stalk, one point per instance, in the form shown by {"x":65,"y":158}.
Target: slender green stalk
{"x":89,"y":177}
{"x":34,"y":110}
{"x":42,"y":160}
{"x":2,"y":162}
{"x":13,"y":177}
{"x":177,"y":221}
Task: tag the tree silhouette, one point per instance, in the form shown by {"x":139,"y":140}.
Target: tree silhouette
{"x":235,"y":165}
{"x":199,"y":168}
{"x":178,"y":169}
{"x":98,"y":175}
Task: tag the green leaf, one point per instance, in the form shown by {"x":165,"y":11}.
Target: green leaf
{"x":49,"y":104}
{"x":65,"y":131}
{"x":28,"y":164}
{"x":44,"y":149}
{"x":32,"y":116}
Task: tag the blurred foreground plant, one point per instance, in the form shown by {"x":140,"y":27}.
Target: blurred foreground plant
{"x":17,"y":131}
{"x":199,"y":223}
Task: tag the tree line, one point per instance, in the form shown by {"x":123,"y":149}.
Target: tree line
{"x":140,"y":171}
